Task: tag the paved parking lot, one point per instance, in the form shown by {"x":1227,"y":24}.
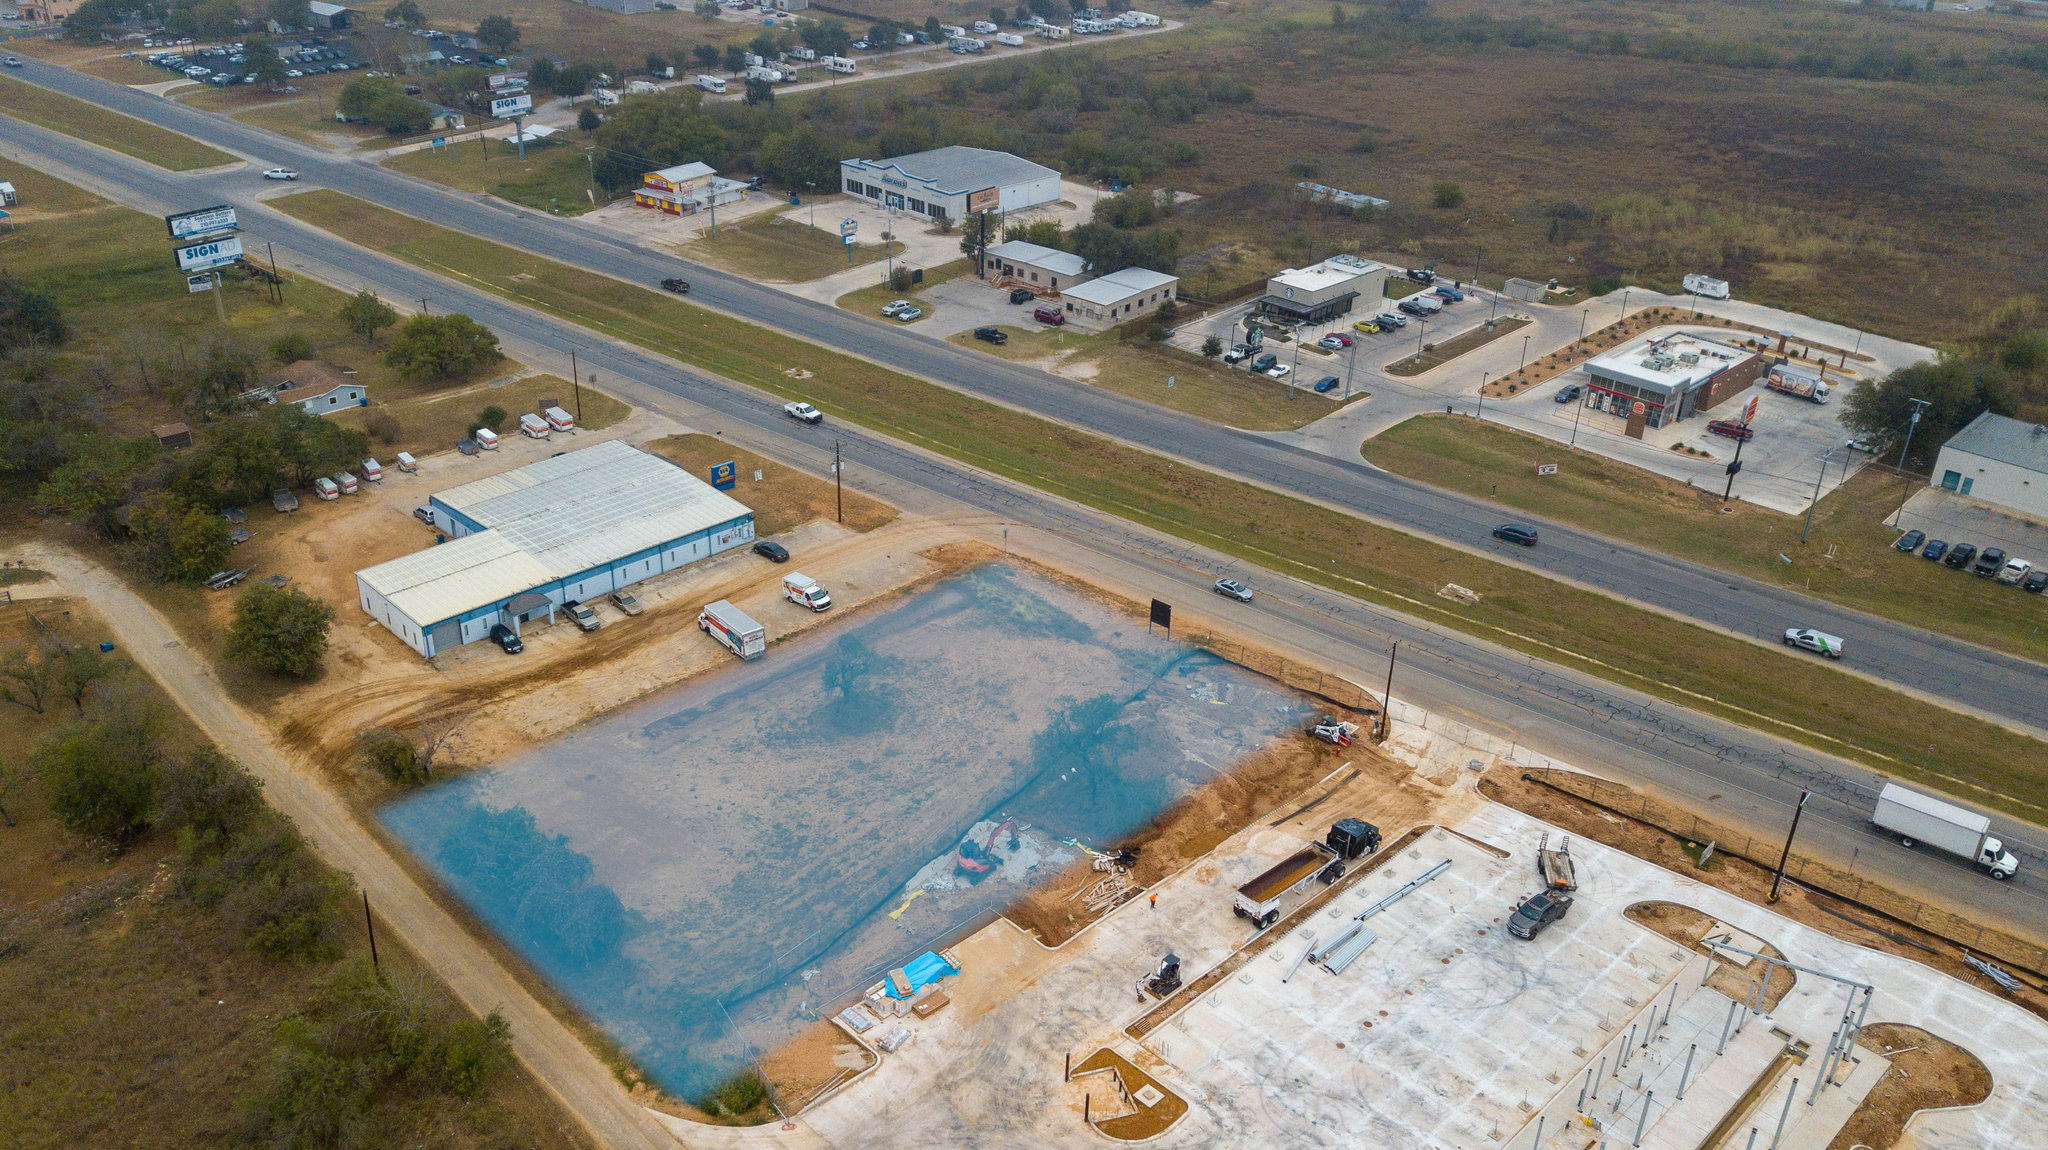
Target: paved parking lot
{"x":1956,"y":518}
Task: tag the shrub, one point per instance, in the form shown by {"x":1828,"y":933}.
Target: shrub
{"x":280,"y":629}
{"x":176,"y":542}
{"x":442,"y":347}
{"x":208,"y":794}
{"x":738,"y":1095}
{"x":493,"y":417}
{"x":899,"y":279}
{"x":1157,"y":333}
{"x":1448,"y":195}
{"x":392,"y":755}
{"x":383,"y":427}
{"x":366,"y":315}
{"x":291,"y":348}
{"x":101,"y":777}
{"x":1212,"y":347}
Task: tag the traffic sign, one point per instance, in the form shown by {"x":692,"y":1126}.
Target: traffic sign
{"x":209,"y":254}
{"x":201,"y":222}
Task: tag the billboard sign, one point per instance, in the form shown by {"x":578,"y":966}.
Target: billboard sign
{"x":985,"y":200}
{"x":1546,"y":469}
{"x":505,"y":107}
{"x":1162,"y":614}
{"x":725,"y":476}
{"x":209,"y":254}
{"x":201,"y":282}
{"x":848,"y":226}
{"x":503,"y":80}
{"x":202,"y":222}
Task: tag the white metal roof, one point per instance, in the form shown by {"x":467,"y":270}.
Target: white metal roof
{"x":962,"y":169}
{"x":1120,"y":286}
{"x":1038,"y":255}
{"x":1669,"y":364}
{"x":683,"y":173}
{"x":2012,"y":441}
{"x":547,"y":521}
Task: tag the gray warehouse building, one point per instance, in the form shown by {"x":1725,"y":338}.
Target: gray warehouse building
{"x":954,"y":182}
{"x":524,"y":542}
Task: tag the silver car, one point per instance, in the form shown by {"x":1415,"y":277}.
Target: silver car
{"x":1231,"y":588}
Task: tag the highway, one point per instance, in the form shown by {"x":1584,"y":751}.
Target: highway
{"x":1740,"y":776}
{"x":1968,"y":676}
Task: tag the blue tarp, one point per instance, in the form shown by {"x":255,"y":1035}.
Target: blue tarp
{"x":922,"y":971}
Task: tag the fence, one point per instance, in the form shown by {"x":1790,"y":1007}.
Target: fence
{"x":1333,"y":688}
{"x":1806,"y":871}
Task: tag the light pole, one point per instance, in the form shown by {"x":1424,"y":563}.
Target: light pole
{"x":1624,"y":304}
{"x":1482,"y":397}
{"x":1824,"y":461}
{"x":1584,"y":315}
{"x":1583,"y":397}
{"x":1906,"y":485}
{"x":1778,"y":877}
{"x":1525,"y":357}
{"x":1350,"y":362}
{"x":1296,"y":368}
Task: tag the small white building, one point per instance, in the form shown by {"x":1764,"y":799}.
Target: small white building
{"x":1034,"y":266}
{"x":951,"y":183}
{"x":522,"y":543}
{"x":1319,"y":294}
{"x":1120,"y":297}
{"x":2000,"y":461}
{"x":317,"y":388}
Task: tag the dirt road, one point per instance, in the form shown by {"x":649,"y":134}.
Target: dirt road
{"x":568,"y":1069}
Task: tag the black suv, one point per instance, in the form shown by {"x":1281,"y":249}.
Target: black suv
{"x":504,"y":637}
{"x":993,"y":335}
{"x":1516,"y":533}
{"x":1960,"y":555}
{"x":1538,"y":911}
{"x":1989,"y":561}
{"x":1022,"y":295}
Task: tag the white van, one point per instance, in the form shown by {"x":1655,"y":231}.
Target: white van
{"x":486,"y":439}
{"x":804,"y":591}
{"x":533,"y":426}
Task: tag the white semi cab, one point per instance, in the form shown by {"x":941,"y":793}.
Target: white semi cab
{"x":732,"y":627}
{"x":1916,"y":818}
{"x":804,"y":591}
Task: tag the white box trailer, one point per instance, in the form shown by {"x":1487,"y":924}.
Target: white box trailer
{"x":1009,"y":40}
{"x":1052,"y":31}
{"x":1916,"y":818}
{"x":763,"y":72}
{"x":732,"y":627}
{"x":840,"y":64}
{"x":560,"y":420}
{"x":533,"y":426}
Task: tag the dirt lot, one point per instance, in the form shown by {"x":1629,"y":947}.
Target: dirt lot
{"x":1684,"y":924}
{"x":783,"y":497}
{"x":1927,"y":1072}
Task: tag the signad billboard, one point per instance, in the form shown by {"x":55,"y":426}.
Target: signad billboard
{"x":209,"y":254}
{"x":503,"y":80}
{"x":505,"y":107}
{"x":204,"y":221}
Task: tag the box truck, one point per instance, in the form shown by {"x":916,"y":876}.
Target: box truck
{"x":804,"y":591}
{"x":731,"y":626}
{"x":1916,"y":818}
{"x":1792,"y":381}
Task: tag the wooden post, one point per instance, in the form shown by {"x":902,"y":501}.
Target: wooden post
{"x":371,"y":925}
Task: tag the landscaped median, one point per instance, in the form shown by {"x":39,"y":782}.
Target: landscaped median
{"x":1793,"y":697}
{"x":96,"y":125}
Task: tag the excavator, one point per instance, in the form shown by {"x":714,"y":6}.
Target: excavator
{"x":977,"y":861}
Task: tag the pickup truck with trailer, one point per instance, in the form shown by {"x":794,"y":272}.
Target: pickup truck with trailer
{"x":1259,"y":899}
{"x":804,"y":591}
{"x":1916,"y":818}
{"x":732,"y":627}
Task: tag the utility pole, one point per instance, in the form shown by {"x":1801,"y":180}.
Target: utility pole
{"x":1906,"y":485}
{"x":839,"y":484}
{"x":423,"y":306}
{"x":573,"y":369}
{"x":370,"y":924}
{"x":1387,"y":709}
{"x":1734,"y":467}
{"x":1778,"y":877}
{"x":276,"y":281}
{"x":1825,"y":459}
{"x":1350,"y":362}
{"x":578,"y":388}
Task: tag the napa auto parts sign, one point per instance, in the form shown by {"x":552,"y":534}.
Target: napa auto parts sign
{"x":203,"y":222}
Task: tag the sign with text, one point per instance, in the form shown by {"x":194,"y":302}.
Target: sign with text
{"x":202,"y":222}
{"x":505,"y":107}
{"x":210,"y":254}
{"x":1546,"y":469}
{"x":985,"y":200}
{"x":725,"y":476}
{"x":503,"y":80}
{"x":1162,"y":614}
{"x":848,"y":226}
{"x":201,"y":282}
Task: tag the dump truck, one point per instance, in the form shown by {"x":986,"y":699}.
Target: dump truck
{"x":1259,"y":899}
{"x":731,"y":626}
{"x":1915,"y":818}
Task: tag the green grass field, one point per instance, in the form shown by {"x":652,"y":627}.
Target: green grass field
{"x":555,"y":176}
{"x":1848,"y":558}
{"x":1798,"y":698}
{"x":778,"y":250}
{"x":1208,"y":388}
{"x":96,"y":125}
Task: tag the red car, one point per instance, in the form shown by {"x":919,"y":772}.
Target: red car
{"x":1049,"y":315}
{"x":1733,"y":429}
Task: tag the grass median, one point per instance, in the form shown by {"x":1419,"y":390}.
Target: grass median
{"x":97,"y":125}
{"x":1796,"y":698}
{"x":1847,"y":559}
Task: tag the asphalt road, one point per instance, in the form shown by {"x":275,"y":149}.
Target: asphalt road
{"x":1972,"y":677}
{"x":1738,"y":775}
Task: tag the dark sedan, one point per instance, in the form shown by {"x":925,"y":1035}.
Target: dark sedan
{"x":1911,"y":541}
{"x":775,"y":552}
{"x":1516,"y":533}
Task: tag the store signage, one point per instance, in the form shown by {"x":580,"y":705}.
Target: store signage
{"x":1546,"y":469}
{"x":1749,"y":411}
{"x":203,"y":222}
{"x":201,"y":282}
{"x":503,"y":80}
{"x":725,"y":476}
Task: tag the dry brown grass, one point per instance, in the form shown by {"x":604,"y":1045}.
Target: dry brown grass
{"x":783,"y":497}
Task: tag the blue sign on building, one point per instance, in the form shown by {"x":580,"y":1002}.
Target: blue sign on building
{"x":724,"y":476}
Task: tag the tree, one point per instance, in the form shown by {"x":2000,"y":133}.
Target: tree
{"x":442,"y":347}
{"x":209,"y":794}
{"x":176,"y":542}
{"x":883,"y":33}
{"x":1212,"y":347}
{"x":706,"y":54}
{"x":407,"y":12}
{"x":401,"y":115}
{"x":287,"y":13}
{"x":657,"y":64}
{"x":1044,"y":9}
{"x":215,"y":19}
{"x":91,"y":18}
{"x":588,"y":120}
{"x":1447,"y":195}
{"x":291,"y":347}
{"x":827,"y":37}
{"x":574,"y":79}
{"x":101,"y":776}
{"x":30,"y":677}
{"x":366,"y":315}
{"x":93,"y":482}
{"x":28,"y":318}
{"x":933,"y":30}
{"x":759,"y":92}
{"x":79,"y":666}
{"x":799,"y":158}
{"x":735,"y":58}
{"x":279,"y":629}
{"x":998,"y":16}
{"x":492,"y":417}
{"x":392,"y":755}
{"x":641,"y":134}
{"x":498,"y":33}
{"x":541,"y":74}
{"x":1956,"y":392}
{"x":264,"y":62}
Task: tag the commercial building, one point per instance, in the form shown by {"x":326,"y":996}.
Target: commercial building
{"x":623,"y":7}
{"x":1046,"y":270}
{"x":2000,"y":461}
{"x":524,"y":542}
{"x":1673,"y":375}
{"x":325,"y":16}
{"x":686,"y":189}
{"x":47,"y":11}
{"x":1319,"y":294}
{"x":951,"y":183}
{"x":1105,"y":301}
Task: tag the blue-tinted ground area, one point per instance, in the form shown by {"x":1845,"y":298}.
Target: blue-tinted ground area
{"x":748,"y":851}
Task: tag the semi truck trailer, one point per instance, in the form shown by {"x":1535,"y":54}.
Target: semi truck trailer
{"x":1916,"y":818}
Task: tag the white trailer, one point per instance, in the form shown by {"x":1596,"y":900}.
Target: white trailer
{"x":712,"y":84}
{"x":1706,"y":287}
{"x":952,"y":31}
{"x":1009,"y":40}
{"x":967,"y":44}
{"x":801,"y":53}
{"x":1916,"y":818}
{"x":840,"y":64}
{"x":1137,"y":19}
{"x":732,"y":627}
{"x":984,"y":28}
{"x":763,"y":72}
{"x":605,"y":97}
{"x":1052,"y":31}
{"x":640,"y":88}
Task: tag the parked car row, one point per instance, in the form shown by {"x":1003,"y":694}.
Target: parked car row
{"x":1991,"y":562}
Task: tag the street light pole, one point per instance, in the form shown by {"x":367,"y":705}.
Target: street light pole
{"x":1824,"y":461}
{"x":1906,"y":485}
{"x":1482,"y":397}
{"x":1525,"y":356}
{"x":1350,"y":363}
{"x":1575,"y":422}
{"x":1778,"y":877}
